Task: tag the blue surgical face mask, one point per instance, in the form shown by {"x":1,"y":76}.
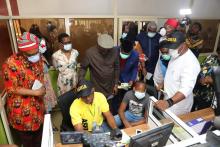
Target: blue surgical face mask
{"x":34,"y":58}
{"x":139,"y":95}
{"x":166,"y":57}
{"x":151,"y":34}
{"x":124,"y":56}
{"x":67,"y":47}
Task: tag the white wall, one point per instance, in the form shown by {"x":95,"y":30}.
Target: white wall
{"x":65,"y":7}
{"x":166,"y":8}
{"x":207,"y":9}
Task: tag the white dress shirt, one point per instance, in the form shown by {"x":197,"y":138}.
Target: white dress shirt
{"x":181,"y":77}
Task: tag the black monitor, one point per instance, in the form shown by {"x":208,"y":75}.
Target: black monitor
{"x":216,"y":82}
{"x":153,"y":138}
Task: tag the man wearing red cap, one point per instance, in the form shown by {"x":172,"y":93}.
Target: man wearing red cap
{"x":171,"y":25}
{"x":25,"y":108}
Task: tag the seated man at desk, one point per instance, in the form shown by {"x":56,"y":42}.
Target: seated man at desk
{"x":138,"y":102}
{"x":90,"y":110}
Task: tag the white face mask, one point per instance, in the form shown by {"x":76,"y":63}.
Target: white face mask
{"x":34,"y":58}
{"x":173,"y":53}
{"x":42,"y":47}
{"x":162,"y":32}
{"x":67,"y":47}
{"x":151,"y":34}
{"x":139,"y":95}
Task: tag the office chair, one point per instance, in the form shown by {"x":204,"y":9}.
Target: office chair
{"x":64,"y":102}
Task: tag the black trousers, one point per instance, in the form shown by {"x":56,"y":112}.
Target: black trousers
{"x":116,"y":101}
{"x":30,"y":138}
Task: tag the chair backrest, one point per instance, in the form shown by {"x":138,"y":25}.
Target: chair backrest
{"x":64,"y":102}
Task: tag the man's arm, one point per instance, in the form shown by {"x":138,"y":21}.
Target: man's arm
{"x":110,"y":119}
{"x":163,"y":104}
{"x":83,"y":67}
{"x":121,"y":113}
{"x":11,"y":84}
{"x":29,"y":92}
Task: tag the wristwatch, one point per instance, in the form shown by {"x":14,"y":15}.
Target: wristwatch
{"x":170,"y":102}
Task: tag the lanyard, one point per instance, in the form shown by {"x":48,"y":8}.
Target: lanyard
{"x":92,"y":113}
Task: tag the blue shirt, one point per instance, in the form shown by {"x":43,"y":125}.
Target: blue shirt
{"x":130,"y":70}
{"x":150,"y":48}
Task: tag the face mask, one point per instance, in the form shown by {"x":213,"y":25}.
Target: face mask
{"x":67,"y":47}
{"x":173,"y":53}
{"x":151,"y":34}
{"x":124,"y":56}
{"x":162,"y":32}
{"x":42,"y":47}
{"x":139,"y":95}
{"x":124,"y":35}
{"x":166,"y":57}
{"x":34,"y":58}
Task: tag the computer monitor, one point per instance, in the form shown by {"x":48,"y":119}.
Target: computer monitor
{"x":153,"y":138}
{"x":216,"y":82}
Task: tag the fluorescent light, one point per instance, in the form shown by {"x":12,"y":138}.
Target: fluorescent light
{"x":185,"y":11}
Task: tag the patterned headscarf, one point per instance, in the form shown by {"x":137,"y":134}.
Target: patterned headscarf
{"x":28,"y":42}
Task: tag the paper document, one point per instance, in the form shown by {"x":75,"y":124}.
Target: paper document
{"x":148,"y":76}
{"x":37,"y":85}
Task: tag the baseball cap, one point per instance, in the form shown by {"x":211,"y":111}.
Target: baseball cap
{"x":173,"y":41}
{"x":84,"y":88}
{"x":105,"y":41}
{"x":172,"y":22}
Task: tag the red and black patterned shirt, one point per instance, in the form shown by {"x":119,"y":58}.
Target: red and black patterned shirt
{"x":25,"y":113}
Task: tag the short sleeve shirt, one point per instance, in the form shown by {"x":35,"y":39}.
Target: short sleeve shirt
{"x":25,"y":113}
{"x":136,"y":106}
{"x":86,"y":114}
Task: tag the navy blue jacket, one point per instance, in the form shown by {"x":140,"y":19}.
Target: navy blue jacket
{"x":130,"y":70}
{"x":150,"y":48}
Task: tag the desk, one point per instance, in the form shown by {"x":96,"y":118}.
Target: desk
{"x":207,"y":114}
{"x":129,"y":131}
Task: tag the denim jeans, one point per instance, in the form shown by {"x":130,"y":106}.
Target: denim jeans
{"x":129,"y":116}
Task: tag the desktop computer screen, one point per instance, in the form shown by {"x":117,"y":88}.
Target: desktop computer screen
{"x":153,"y":138}
{"x":216,"y":82}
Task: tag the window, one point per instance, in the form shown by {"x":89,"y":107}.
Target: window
{"x":84,"y":32}
{"x":5,"y":48}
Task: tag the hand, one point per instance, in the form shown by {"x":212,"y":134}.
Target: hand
{"x":159,"y":87}
{"x":116,"y":134}
{"x":202,"y":81}
{"x":162,"y":105}
{"x":209,"y":79}
{"x":182,"y":49}
{"x":131,"y":83}
{"x":127,"y":125}
{"x":40,"y":92}
{"x":115,"y":89}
